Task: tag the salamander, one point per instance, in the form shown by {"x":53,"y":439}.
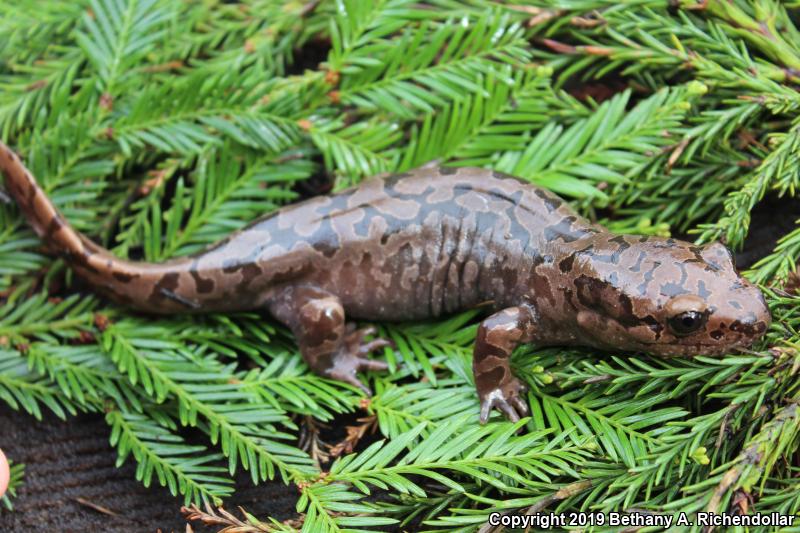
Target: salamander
{"x":426,"y":243}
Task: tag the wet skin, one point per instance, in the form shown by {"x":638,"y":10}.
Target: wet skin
{"x":427,"y":243}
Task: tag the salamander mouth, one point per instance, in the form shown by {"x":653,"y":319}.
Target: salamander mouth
{"x":697,"y":348}
{"x":705,"y":344}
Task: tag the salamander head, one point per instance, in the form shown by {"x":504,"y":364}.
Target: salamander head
{"x":668,"y":297}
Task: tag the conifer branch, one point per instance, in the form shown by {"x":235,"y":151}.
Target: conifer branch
{"x":182,"y":468}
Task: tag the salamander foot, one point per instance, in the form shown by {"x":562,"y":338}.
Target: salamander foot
{"x":506,"y":398}
{"x":330,"y":345}
{"x":352,"y":357}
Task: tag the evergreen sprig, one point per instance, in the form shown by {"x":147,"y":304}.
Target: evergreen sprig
{"x":208,"y":395}
{"x":182,"y":468}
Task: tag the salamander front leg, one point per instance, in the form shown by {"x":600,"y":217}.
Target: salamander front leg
{"x":330,"y":347}
{"x":498,"y":335}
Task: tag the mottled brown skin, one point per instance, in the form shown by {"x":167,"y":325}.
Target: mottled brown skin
{"x":430,"y":242}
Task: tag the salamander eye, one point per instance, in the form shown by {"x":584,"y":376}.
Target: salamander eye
{"x":687,"y":322}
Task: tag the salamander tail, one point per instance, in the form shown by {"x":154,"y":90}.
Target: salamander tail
{"x":132,"y":283}
{"x":39,"y":211}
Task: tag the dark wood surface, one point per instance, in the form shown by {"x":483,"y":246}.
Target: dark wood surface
{"x":67,"y":462}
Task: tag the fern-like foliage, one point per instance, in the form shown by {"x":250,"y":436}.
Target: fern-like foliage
{"x":491,"y":454}
{"x":241,"y":423}
{"x":495,"y":455}
{"x":239,"y":109}
{"x":17,"y":255}
{"x":117,"y":34}
{"x":160,"y":452}
{"x":444,"y":58}
{"x":286,"y":384}
{"x":566,"y":161}
{"x":37,"y":316}
{"x":22,"y":388}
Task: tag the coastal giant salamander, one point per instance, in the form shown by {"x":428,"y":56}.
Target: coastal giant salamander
{"x":426,"y":243}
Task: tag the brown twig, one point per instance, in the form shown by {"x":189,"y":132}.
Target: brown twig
{"x":164,"y":67}
{"x":676,"y":153}
{"x":723,"y":427}
{"x":311,"y":442}
{"x":597,"y":379}
{"x":309,"y":8}
{"x":221,"y":517}
{"x":592,"y":20}
{"x":568,"y":49}
{"x":96,"y":507}
{"x":354,"y":435}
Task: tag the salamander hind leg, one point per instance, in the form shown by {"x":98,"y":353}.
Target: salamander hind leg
{"x":497,"y":386}
{"x":331,"y":347}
